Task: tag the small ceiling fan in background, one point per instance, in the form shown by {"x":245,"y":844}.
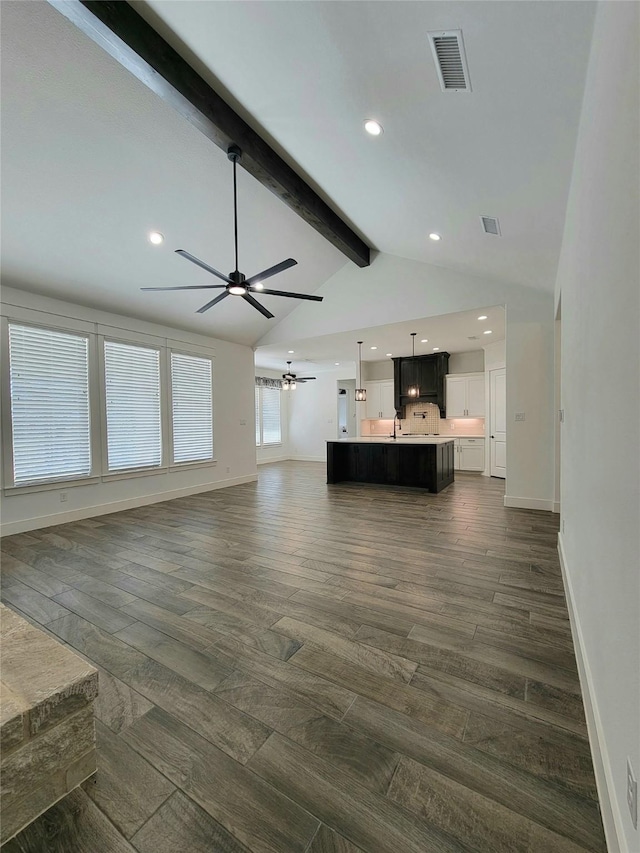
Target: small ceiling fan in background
{"x":236,"y":284}
{"x":290,"y":379}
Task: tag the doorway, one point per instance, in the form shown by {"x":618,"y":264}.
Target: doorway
{"x":498,"y":424}
{"x":346,"y":408}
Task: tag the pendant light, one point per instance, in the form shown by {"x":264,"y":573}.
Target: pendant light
{"x":413,"y":390}
{"x":361,"y":393}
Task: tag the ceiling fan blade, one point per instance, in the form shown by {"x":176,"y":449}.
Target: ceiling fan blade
{"x":213,"y":302}
{"x":257,"y":305}
{"x":187,"y":287}
{"x":305,"y":378}
{"x":293,"y":295}
{"x":283,"y":265}
{"x":202,"y":265}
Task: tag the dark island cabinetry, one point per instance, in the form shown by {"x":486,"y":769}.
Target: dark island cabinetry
{"x":427,"y":466}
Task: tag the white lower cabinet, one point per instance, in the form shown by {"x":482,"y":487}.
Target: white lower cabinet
{"x":468,"y":454}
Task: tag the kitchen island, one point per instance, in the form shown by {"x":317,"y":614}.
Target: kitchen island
{"x":424,"y":461}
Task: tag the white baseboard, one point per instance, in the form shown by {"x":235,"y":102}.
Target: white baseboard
{"x":528,"y":503}
{"x":24,"y":525}
{"x":275,"y":459}
{"x":609,"y":810}
{"x":308,"y":458}
{"x":556,"y":507}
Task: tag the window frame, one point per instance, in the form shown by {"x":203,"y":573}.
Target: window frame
{"x":144,"y":470}
{"x":96,"y":333}
{"x":262,"y":444}
{"x":196,"y":463}
{"x":6,"y":419}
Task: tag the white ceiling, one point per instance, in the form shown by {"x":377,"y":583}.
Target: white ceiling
{"x":91,"y":160}
{"x":450,"y":333}
{"x":310,"y":73}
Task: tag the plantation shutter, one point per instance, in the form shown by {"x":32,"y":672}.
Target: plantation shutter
{"x":271,"y":416}
{"x":192,"y":408}
{"x":132,"y":385}
{"x":49,"y":381}
{"x":257,"y":416}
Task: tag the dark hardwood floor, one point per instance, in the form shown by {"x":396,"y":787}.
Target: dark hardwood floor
{"x":290,"y":666}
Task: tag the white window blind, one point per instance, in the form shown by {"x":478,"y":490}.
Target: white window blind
{"x":257,"y":416}
{"x":192,"y":408}
{"x":49,"y":383}
{"x":271,"y":433}
{"x":132,"y":387}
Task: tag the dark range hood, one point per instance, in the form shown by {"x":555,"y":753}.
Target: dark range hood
{"x":428,"y":372}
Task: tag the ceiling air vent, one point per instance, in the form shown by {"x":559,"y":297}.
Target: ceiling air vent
{"x":451,"y":61}
{"x":490,"y":225}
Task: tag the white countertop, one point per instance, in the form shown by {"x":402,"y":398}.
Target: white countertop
{"x":402,"y":439}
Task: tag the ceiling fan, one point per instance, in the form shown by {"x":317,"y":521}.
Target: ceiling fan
{"x":290,"y":379}
{"x":236,"y":284}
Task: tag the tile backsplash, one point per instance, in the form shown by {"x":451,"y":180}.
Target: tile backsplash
{"x":431,"y":424}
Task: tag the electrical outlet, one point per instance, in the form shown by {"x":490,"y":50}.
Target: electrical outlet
{"x":519,"y":416}
{"x":63,"y":497}
{"x":243,"y":422}
{"x":228,"y":470}
{"x":632,"y":795}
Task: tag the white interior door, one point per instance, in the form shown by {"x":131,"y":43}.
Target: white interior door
{"x":498,"y":412}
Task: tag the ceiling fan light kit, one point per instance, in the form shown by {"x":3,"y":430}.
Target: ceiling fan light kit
{"x":361,"y":393}
{"x":236,"y":283}
{"x":289,"y":379}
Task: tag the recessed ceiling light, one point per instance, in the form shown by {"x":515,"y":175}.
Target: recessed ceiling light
{"x":291,"y":351}
{"x":389,"y":354}
{"x":488,"y":332}
{"x":373,"y":127}
{"x":424,"y":341}
{"x":337,"y":363}
{"x":258,"y":285}
{"x":374,"y":347}
{"x":156,"y":238}
{"x":435,"y":349}
{"x":482,"y":317}
{"x":435,"y":237}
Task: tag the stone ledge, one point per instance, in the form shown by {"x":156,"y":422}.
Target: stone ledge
{"x":47,"y":729}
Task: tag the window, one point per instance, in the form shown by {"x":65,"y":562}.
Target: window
{"x":50,"y":418}
{"x":268,"y":430}
{"x":258,"y":434}
{"x":132,"y":388}
{"x":192,"y":408}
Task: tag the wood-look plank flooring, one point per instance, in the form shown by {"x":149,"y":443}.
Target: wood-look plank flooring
{"x":291,"y":667}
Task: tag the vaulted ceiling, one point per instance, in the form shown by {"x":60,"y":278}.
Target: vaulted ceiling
{"x":92,"y":160}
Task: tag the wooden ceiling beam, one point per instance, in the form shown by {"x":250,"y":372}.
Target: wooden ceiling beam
{"x":129,"y":39}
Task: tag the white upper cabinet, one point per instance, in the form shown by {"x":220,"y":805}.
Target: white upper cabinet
{"x":380,"y":400}
{"x":465,"y":395}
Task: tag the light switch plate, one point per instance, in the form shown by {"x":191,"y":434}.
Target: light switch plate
{"x":243,"y":422}
{"x":519,"y":416}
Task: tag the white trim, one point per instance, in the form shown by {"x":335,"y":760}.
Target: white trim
{"x":528,"y":503}
{"x":26,"y":524}
{"x":309,"y":458}
{"x":556,"y":506}
{"x":609,"y":810}
{"x":275,"y":459}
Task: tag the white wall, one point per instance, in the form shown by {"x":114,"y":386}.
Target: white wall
{"x":313,"y":416}
{"x":395,"y":289}
{"x":234,"y":443}
{"x":598,"y":281}
{"x":467,"y":362}
{"x":277,"y":452}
